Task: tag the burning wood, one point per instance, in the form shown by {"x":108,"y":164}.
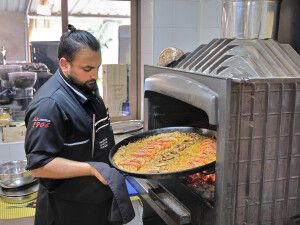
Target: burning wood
{"x":204,"y":185}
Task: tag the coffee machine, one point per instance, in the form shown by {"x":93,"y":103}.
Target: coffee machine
{"x":6,"y":89}
{"x":22,"y":85}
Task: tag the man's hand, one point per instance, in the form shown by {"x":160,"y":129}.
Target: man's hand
{"x":98,"y":175}
{"x":60,"y":168}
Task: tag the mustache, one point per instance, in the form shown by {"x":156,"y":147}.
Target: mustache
{"x":91,"y":81}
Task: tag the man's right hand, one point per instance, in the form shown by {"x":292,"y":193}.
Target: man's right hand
{"x":98,"y":175}
{"x":60,"y":168}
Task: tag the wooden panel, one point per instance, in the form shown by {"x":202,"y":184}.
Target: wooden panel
{"x":115,"y":87}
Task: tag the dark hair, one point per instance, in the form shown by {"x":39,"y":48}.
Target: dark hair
{"x":74,"y":40}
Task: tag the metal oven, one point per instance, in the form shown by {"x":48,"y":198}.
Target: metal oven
{"x":249,"y":92}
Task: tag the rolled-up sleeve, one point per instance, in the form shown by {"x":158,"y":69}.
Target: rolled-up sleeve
{"x":46,"y":128}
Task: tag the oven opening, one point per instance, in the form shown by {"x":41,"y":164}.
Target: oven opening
{"x":196,"y":191}
{"x":165,"y":111}
{"x":203,"y":185}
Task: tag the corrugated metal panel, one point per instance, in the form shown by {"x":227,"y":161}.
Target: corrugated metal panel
{"x":243,"y":59}
{"x":87,"y":7}
{"x":13,"y":5}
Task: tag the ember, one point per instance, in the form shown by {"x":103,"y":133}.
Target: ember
{"x":199,"y":178}
{"x":204,"y":185}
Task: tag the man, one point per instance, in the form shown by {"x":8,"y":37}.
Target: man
{"x":67,"y":126}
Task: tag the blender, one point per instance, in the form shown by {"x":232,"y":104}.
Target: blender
{"x":22,"y":83}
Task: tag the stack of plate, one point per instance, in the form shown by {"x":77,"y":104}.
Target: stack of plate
{"x":17,"y":185}
{"x":21,"y":194}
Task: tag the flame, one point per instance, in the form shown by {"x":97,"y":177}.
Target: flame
{"x":198,"y":179}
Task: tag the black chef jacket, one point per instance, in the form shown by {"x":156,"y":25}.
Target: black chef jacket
{"x":60,"y":123}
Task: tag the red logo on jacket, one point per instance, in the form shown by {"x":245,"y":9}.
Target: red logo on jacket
{"x":41,"y":123}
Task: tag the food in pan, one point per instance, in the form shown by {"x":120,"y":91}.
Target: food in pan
{"x":166,"y":152}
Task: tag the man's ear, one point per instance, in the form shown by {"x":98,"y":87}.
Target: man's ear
{"x":64,"y":65}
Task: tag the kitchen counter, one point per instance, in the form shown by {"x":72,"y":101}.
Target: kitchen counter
{"x":30,"y":220}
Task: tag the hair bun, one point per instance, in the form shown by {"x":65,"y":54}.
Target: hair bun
{"x":71,"y":28}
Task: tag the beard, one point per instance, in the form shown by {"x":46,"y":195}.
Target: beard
{"x":87,"y":87}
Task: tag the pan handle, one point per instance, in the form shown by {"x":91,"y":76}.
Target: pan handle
{"x":156,"y":199}
{"x":186,"y":90}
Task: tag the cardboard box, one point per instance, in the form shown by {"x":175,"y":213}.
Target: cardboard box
{"x":115,"y":86}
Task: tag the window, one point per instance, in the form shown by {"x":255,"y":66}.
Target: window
{"x":114,"y":24}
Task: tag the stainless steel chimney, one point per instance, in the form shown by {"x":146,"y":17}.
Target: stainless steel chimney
{"x":247,"y":19}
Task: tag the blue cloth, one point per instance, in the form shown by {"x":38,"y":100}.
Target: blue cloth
{"x":122,"y":210}
{"x":130,"y":189}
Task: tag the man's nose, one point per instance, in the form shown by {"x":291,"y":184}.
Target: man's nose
{"x":94,"y":74}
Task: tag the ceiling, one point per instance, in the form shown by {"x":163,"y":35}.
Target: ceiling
{"x":75,"y":7}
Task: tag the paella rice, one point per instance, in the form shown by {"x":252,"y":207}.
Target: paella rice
{"x":166,"y":152}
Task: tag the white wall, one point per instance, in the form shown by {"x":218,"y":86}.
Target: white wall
{"x":209,"y":26}
{"x":184,"y":24}
{"x":12,"y":35}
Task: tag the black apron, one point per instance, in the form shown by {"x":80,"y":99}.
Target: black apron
{"x":81,"y":200}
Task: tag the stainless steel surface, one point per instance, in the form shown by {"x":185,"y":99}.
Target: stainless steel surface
{"x":27,"y":205}
{"x":166,"y":205}
{"x":19,"y":196}
{"x":242,"y":60}
{"x":182,"y":89}
{"x":13,"y":174}
{"x":128,"y":126}
{"x":248,"y":19}
{"x":258,"y":154}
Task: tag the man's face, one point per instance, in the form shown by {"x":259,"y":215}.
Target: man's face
{"x":83,"y":70}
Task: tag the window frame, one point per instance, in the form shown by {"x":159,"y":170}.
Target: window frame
{"x":134,"y":79}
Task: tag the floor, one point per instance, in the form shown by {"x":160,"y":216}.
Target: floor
{"x":138,"y":220}
{"x":23,"y":221}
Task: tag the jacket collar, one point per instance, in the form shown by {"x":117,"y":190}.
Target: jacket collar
{"x":67,"y":84}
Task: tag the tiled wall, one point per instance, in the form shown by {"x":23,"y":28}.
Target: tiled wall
{"x":210,"y":20}
{"x":185,"y":24}
{"x":175,"y":25}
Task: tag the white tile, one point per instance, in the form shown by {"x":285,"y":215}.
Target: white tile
{"x":4,"y":153}
{"x":185,"y":13}
{"x":147,"y":59}
{"x":162,"y":39}
{"x":211,"y":11}
{"x":147,"y":13}
{"x":186,"y":39}
{"x":17,"y":151}
{"x":208,"y":34}
{"x":155,"y":57}
{"x":146,"y":40}
{"x":163,"y":13}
